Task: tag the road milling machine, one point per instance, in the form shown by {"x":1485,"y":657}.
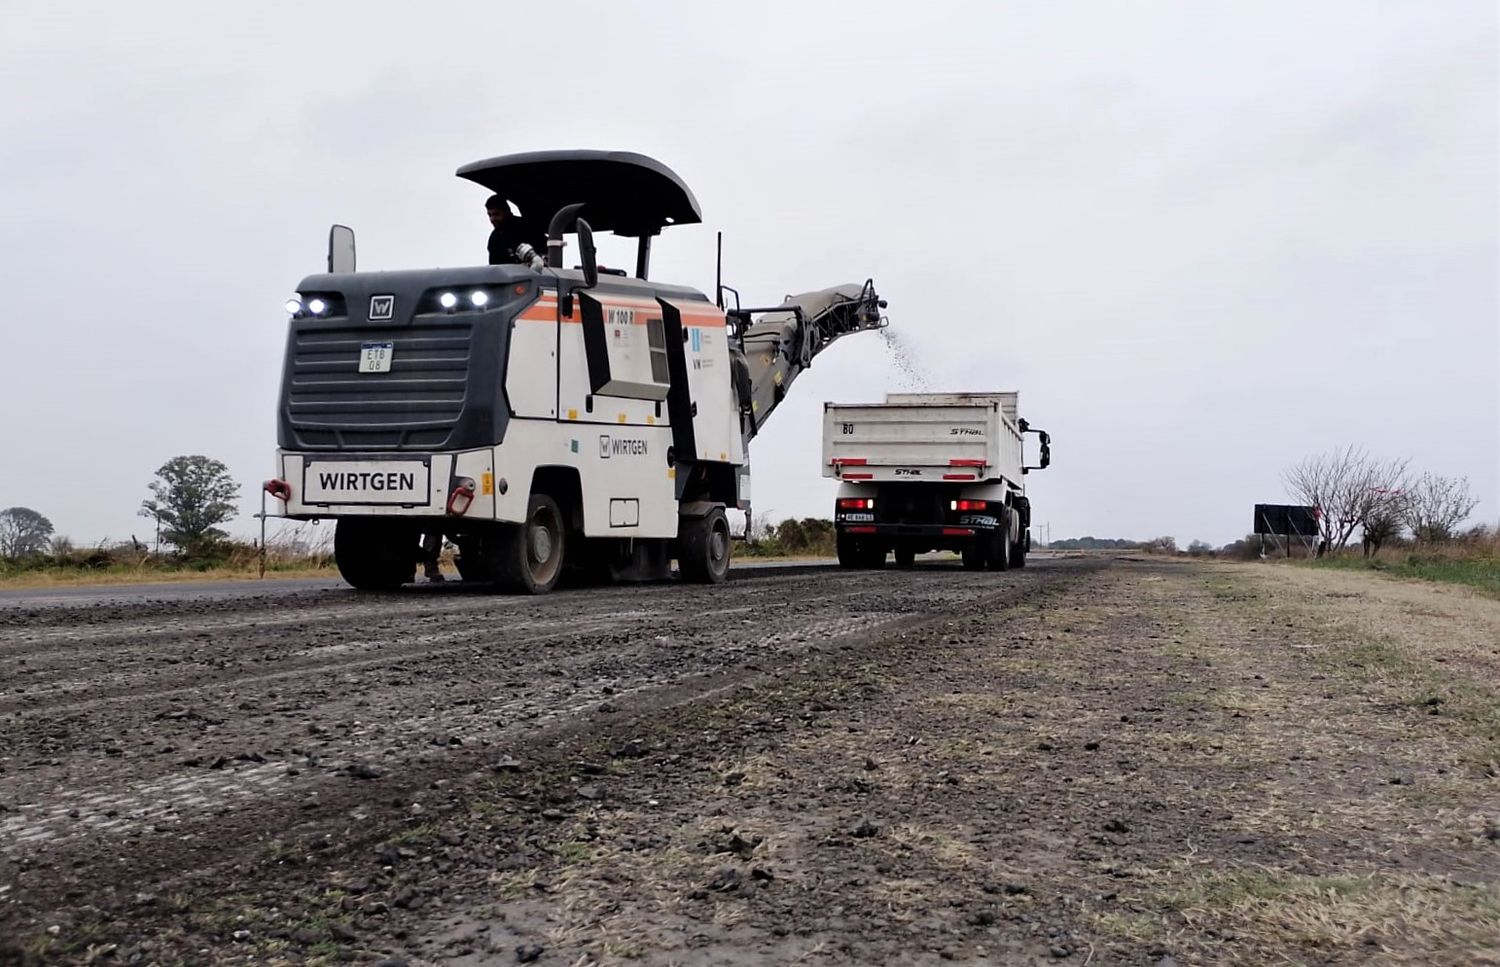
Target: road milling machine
{"x":542,"y":418}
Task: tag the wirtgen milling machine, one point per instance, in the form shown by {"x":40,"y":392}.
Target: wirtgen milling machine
{"x":539,"y":417}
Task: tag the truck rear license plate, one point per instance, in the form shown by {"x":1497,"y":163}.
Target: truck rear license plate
{"x":375,"y":357}
{"x":367,"y":482}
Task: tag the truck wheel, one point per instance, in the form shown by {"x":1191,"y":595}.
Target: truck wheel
{"x":703,"y":545}
{"x":850,"y":556}
{"x":372,"y":555}
{"x":999,"y":556}
{"x":874,"y":558}
{"x":973,"y":553}
{"x":528,"y":557}
{"x":905,"y":557}
{"x":1018,"y":554}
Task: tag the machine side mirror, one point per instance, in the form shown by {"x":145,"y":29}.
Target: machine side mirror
{"x":340,"y":250}
{"x":586,"y":252}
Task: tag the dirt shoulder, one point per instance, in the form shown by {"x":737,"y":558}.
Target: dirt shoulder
{"x":1150,"y":763}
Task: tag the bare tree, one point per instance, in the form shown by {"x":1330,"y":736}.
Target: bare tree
{"x":1434,"y":506}
{"x":1382,"y":524}
{"x":1349,"y":488}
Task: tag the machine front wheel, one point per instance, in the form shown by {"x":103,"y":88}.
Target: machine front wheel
{"x":528,"y":557}
{"x":374,"y":555}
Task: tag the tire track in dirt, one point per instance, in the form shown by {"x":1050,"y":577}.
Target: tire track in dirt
{"x":620,"y":652}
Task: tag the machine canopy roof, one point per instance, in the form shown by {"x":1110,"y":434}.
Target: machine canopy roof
{"x":625,"y":193}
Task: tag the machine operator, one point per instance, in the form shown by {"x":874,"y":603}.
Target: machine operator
{"x":510,"y":238}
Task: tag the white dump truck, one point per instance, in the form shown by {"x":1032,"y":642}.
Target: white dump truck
{"x":931,"y":471}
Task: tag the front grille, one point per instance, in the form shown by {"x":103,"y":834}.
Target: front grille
{"x":331,"y":404}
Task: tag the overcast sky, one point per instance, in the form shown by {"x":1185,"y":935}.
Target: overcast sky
{"x":1203,"y":240}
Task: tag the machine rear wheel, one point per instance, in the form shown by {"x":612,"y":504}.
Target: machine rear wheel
{"x":528,"y":557}
{"x":374,"y":555}
{"x":905,"y":557}
{"x":703,"y":548}
{"x":973,"y":554}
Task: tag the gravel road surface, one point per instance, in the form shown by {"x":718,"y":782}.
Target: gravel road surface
{"x":1085,"y":761}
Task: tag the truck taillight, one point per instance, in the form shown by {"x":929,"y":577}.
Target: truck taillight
{"x":856,"y":503}
{"x":968,"y":505}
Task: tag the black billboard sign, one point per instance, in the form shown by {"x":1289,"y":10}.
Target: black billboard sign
{"x":1286,"y":520}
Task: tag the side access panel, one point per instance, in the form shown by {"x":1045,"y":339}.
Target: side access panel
{"x":704,"y":414}
{"x":612,"y":414}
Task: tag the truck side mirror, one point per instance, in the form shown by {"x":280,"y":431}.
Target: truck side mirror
{"x":1046,"y":452}
{"x":586,"y":252}
{"x":340,"y":250}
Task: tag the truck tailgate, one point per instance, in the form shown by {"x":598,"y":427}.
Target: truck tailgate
{"x":892,"y":441}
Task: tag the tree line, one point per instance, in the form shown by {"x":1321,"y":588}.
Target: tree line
{"x":189,"y":498}
{"x":1382,"y":500}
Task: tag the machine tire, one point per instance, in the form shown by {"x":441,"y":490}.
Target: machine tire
{"x":905,"y":557}
{"x":703,"y":548}
{"x":468,"y":562}
{"x":874,"y":558}
{"x":973,"y":553}
{"x":370,"y":554}
{"x":851,"y":556}
{"x":528,"y":557}
{"x":1018,"y":554}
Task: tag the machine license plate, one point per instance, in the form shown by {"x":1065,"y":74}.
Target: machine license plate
{"x":375,"y":357}
{"x":859,"y":518}
{"x":407,"y":482}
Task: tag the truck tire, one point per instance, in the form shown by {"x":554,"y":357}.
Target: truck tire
{"x":1018,"y":554}
{"x":999,"y":555}
{"x":528,"y":558}
{"x":905,"y":557}
{"x":703,"y":548}
{"x":373,"y":555}
{"x":973,"y":553}
{"x":850,"y":554}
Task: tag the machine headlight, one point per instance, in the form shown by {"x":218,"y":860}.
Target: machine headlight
{"x":479,"y":298}
{"x":293,"y":306}
{"x":317,"y":306}
{"x":447,"y":300}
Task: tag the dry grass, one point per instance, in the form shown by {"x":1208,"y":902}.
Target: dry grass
{"x":32,"y":580}
{"x":1434,"y":919}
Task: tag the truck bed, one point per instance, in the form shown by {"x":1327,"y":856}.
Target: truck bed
{"x":928,"y":437}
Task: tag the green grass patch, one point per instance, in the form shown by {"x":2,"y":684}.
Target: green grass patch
{"x":1480,"y":573}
